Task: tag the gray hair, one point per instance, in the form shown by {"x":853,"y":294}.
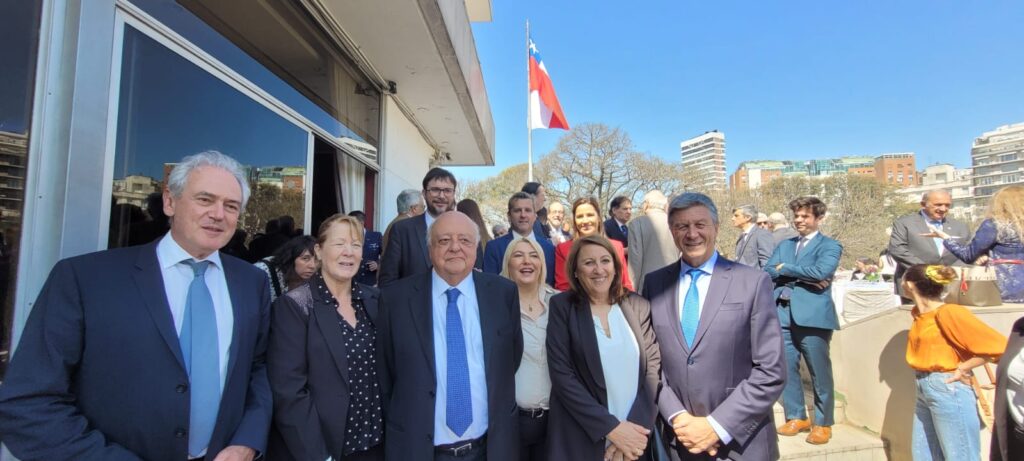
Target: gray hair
{"x":655,"y":199}
{"x":499,"y":227}
{"x":407,"y":199}
{"x":688,"y":200}
{"x":778,"y":219}
{"x":211,"y":158}
{"x":927,"y":195}
{"x":746,"y":210}
{"x":476,"y":228}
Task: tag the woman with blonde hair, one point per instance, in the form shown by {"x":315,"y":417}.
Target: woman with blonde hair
{"x":1001,"y":238}
{"x":524,"y":265}
{"x":946,"y":342}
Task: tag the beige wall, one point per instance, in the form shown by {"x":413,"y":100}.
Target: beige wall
{"x":871,"y":372}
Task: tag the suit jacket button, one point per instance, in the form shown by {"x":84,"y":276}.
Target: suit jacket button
{"x":179,"y":433}
{"x":432,"y":394}
{"x":430,"y":436}
{"x":181,"y":388}
{"x":689,"y":361}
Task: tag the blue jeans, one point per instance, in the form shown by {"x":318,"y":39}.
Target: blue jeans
{"x":946,"y":421}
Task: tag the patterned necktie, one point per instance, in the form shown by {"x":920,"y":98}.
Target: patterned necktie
{"x":201,"y":353}
{"x":459,"y":396}
{"x":691,"y":308}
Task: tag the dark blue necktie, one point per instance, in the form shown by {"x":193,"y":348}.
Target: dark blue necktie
{"x":459,"y":396}
{"x":691,"y":308}
{"x":202,"y":359}
{"x":625,"y":231}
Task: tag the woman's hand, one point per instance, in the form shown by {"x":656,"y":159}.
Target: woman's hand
{"x":962,"y":376}
{"x":935,"y":232}
{"x":629,"y":439}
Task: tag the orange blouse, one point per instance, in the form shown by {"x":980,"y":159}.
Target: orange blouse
{"x":936,"y":337}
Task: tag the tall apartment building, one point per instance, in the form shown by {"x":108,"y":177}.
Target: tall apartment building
{"x":705,"y":155}
{"x":997,"y":158}
{"x":897,"y":169}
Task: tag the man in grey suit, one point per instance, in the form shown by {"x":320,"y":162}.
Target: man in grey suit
{"x":780,"y":228}
{"x":650,"y":241}
{"x":754,"y":245}
{"x":722,"y":365}
{"x":909,"y":246}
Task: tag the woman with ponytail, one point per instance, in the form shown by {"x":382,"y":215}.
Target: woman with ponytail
{"x":946,"y":342}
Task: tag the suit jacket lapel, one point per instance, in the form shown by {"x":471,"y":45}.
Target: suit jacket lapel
{"x":421,"y":232}
{"x":720,"y":280}
{"x":628,"y":308}
{"x":588,"y":340}
{"x":491,"y":320}
{"x":328,"y":324}
{"x":241,"y":299}
{"x":809,"y":247}
{"x":421,"y":308}
{"x":672,"y":293}
{"x":149,"y":279}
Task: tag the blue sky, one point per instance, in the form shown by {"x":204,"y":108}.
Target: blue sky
{"x":782,"y":79}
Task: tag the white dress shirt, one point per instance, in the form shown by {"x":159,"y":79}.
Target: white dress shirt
{"x":619,"y":354}
{"x":517,"y":236}
{"x":703,"y":284}
{"x":469,"y":310}
{"x":807,"y":241}
{"x":178,"y":276}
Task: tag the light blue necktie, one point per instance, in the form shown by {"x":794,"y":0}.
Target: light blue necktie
{"x":459,"y":396}
{"x":691,"y":308}
{"x":202,"y":359}
{"x":937,"y":240}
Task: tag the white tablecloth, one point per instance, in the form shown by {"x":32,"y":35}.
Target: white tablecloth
{"x":858,"y":298}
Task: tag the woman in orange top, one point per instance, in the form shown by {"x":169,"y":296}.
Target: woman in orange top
{"x":586,"y":221}
{"x":945,"y":343}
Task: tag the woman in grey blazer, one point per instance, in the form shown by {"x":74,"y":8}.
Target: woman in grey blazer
{"x":603,"y":361}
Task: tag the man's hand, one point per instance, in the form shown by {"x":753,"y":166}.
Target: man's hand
{"x":821,"y":284}
{"x":236,"y":453}
{"x":613,"y":454}
{"x":696,"y":434}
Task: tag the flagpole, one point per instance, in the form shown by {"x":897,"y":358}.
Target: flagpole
{"x":529,"y":131}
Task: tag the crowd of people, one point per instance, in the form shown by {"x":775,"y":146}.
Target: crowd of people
{"x":569,"y":336}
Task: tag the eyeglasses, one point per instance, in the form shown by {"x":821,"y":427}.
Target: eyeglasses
{"x":440,"y":191}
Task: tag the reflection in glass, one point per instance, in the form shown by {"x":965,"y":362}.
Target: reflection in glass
{"x":170,"y":108}
{"x":19,"y":31}
{"x":274,"y":44}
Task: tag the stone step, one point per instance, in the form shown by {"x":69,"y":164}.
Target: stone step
{"x":848,"y":444}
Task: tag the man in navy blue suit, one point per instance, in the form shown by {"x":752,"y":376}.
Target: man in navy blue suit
{"x":151,"y":352}
{"x":371,"y":252}
{"x":521,"y":216}
{"x":615,"y":226}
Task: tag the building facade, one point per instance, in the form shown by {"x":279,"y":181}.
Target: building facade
{"x":704,"y":156}
{"x":997,"y":158}
{"x":894,"y":169}
{"x":331,"y":106}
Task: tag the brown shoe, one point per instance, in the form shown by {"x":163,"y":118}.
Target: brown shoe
{"x":794,"y":427}
{"x":819,"y":435}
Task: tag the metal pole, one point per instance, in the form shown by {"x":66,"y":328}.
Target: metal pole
{"x":529,"y":130}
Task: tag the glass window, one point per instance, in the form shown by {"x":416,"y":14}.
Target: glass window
{"x":275,"y":45}
{"x":19,"y":32}
{"x":170,"y":108}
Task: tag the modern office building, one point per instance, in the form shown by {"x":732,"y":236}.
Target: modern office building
{"x":896,"y":169}
{"x":704,"y":156}
{"x":997,"y":158}
{"x":333,"y":105}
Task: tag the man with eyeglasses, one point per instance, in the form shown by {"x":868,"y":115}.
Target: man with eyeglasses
{"x":406,"y":252}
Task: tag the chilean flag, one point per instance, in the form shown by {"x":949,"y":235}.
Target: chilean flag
{"x":545,"y":112}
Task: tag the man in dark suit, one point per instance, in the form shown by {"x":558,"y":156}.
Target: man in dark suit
{"x":721,"y":347}
{"x":521,"y":217}
{"x":754,"y":245}
{"x":410,"y":204}
{"x":151,"y":352}
{"x":908,"y":244}
{"x":802,"y":269}
{"x":615,"y":226}
{"x":371,"y":252}
{"x":406,"y":253}
{"x":451,"y":342}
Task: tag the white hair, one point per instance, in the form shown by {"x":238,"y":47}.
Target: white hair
{"x":179,"y":175}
